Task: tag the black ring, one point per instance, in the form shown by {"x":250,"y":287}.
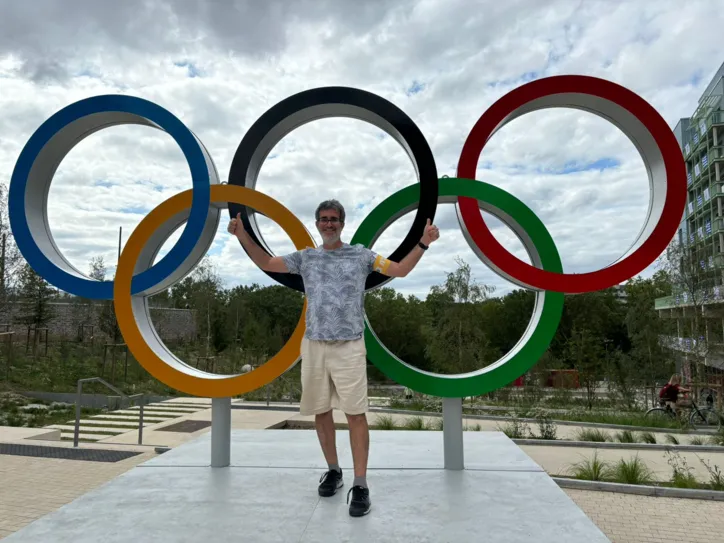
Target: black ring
{"x":321,"y":103}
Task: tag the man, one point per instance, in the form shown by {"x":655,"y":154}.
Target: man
{"x":334,"y":362}
{"x":669,"y":394}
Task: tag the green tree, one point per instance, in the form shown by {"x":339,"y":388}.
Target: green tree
{"x":457,"y":342}
{"x":37,"y":294}
{"x":649,"y":354}
{"x":586,"y":354}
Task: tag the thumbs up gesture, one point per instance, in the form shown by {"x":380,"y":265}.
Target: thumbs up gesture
{"x":430,"y":234}
{"x":236,"y":227}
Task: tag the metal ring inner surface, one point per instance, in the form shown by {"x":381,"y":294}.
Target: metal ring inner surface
{"x":547,"y":310}
{"x":133,"y":314}
{"x":326,"y":102}
{"x":46,"y":149}
{"x":648,"y":132}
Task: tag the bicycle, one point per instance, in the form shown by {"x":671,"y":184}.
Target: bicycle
{"x":706,"y":416}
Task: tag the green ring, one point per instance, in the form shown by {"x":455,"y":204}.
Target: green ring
{"x":495,"y":375}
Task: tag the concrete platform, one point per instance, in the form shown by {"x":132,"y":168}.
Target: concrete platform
{"x":269,"y":493}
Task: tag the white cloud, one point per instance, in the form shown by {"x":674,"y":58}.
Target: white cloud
{"x":459,"y":56}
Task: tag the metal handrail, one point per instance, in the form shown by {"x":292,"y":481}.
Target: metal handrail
{"x":76,"y":432}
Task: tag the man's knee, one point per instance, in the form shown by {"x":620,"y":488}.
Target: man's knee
{"x":358,"y":419}
{"x":324,"y":416}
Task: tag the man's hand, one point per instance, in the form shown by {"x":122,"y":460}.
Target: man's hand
{"x":236,"y":227}
{"x":431,"y":233}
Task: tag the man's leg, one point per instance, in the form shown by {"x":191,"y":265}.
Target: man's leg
{"x":359,"y":437}
{"x":317,"y":400}
{"x":327,"y":434}
{"x":348,"y":368}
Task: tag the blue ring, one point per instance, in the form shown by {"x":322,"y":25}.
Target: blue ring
{"x":201,"y":198}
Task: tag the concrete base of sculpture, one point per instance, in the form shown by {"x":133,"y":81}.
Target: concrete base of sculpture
{"x":269,"y":493}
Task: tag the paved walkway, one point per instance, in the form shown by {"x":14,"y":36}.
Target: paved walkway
{"x":33,"y":487}
{"x":626,"y":518}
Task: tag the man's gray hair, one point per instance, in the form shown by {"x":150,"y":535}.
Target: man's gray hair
{"x":330,"y":204}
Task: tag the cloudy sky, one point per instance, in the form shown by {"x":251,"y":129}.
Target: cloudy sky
{"x":219,"y":65}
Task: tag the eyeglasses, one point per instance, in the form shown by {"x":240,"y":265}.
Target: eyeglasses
{"x":333,"y":220}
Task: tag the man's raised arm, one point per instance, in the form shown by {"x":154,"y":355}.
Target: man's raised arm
{"x":257,"y":254}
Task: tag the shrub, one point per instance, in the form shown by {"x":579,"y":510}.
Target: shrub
{"x":718,"y":438}
{"x":592,"y":434}
{"x":546,"y":426}
{"x":632,"y":472}
{"x":682,"y":476}
{"x":515,"y":429}
{"x":385,"y":422}
{"x":415,"y":423}
{"x":626,"y":436}
{"x":716,"y":479}
{"x":592,"y":469}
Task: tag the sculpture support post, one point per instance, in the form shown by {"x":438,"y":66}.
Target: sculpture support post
{"x":452,"y":433}
{"x":220,"y":432}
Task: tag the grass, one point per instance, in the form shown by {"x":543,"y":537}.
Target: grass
{"x":14,"y":412}
{"x":635,"y":472}
{"x":648,"y":437}
{"x":592,"y":469}
{"x":631,"y":472}
{"x":718,"y":438}
{"x":622,"y":420}
{"x":384,"y":422}
{"x":415,"y":423}
{"x":626,"y":436}
{"x":515,"y":429}
{"x":592,"y":434}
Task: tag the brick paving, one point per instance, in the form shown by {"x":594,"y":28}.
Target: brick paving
{"x":626,"y":518}
{"x":33,"y":487}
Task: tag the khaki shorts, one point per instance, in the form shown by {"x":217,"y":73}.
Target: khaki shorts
{"x":334,"y":376}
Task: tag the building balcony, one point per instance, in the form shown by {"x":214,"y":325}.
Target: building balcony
{"x":699,"y":130}
{"x":684,"y":344}
{"x":713,"y":295}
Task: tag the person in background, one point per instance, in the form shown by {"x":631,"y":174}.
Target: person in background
{"x":669,"y":393}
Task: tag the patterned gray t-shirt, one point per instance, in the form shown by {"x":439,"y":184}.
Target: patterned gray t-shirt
{"x":334,"y":283}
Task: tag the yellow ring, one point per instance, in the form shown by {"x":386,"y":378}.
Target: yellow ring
{"x":200,"y":386}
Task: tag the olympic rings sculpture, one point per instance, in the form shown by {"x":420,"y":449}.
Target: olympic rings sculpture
{"x":138,"y":277}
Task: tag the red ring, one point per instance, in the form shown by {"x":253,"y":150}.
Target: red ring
{"x":621,"y":271}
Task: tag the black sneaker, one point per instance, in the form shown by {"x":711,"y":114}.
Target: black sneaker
{"x":330,"y":482}
{"x":361,"y":503}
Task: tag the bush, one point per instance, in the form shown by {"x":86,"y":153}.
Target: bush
{"x":626,"y":436}
{"x":716,"y":480}
{"x":592,"y":434}
{"x":415,"y":423}
{"x":632,"y":472}
{"x":682,"y":476}
{"x":546,"y":426}
{"x":384,"y":422}
{"x":515,"y":429}
{"x":648,"y":437}
{"x":590,"y":469}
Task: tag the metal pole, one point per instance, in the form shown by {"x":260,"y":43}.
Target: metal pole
{"x":452,"y":433}
{"x":140,"y":421}
{"x":220,"y":432}
{"x":76,"y":431}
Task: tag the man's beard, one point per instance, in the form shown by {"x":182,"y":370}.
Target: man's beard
{"x":330,"y":237}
